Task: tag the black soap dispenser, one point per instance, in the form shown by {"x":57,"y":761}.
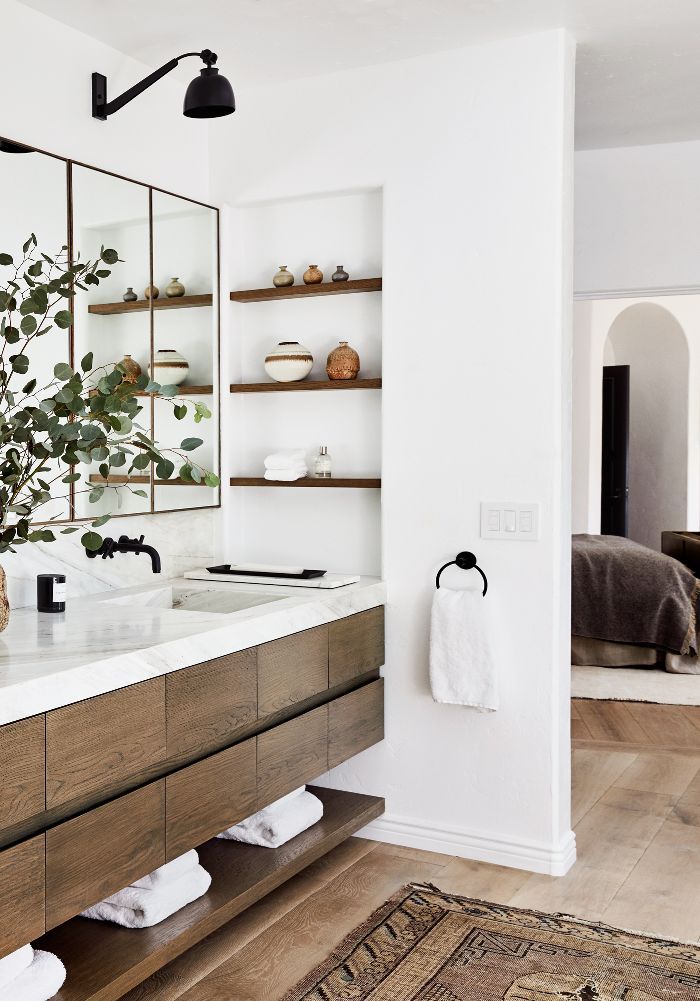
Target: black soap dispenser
{"x":51,"y":592}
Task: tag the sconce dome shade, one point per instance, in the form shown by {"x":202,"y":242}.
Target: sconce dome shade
{"x":210,"y":95}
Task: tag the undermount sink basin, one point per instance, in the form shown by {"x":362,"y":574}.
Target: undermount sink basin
{"x":195,"y":599}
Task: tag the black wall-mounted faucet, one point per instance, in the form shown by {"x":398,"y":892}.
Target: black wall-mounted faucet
{"x":126,"y":545}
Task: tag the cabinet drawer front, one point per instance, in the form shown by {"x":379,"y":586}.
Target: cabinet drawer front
{"x":104,"y":850}
{"x":292,"y":754}
{"x":356,"y":645}
{"x":22,"y":771}
{"x":355,"y":722}
{"x":208,"y":703}
{"x":204,"y":799}
{"x":292,"y":669}
{"x":94,"y":747}
{"x":21,"y":894}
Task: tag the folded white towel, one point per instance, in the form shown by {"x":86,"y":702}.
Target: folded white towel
{"x":41,"y":980}
{"x":286,"y":458}
{"x":11,"y":966}
{"x":168,"y":873}
{"x":286,"y":474}
{"x":463,"y":649}
{"x":278,"y":823}
{"x":139,"y":907}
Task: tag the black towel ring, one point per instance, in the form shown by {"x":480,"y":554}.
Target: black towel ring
{"x":465,"y":561}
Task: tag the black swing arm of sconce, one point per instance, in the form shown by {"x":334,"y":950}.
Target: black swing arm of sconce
{"x":101,"y":109}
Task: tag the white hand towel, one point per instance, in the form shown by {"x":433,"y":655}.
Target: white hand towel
{"x":463,"y":649}
{"x":138,"y":907}
{"x":11,"y":966}
{"x":286,"y":458}
{"x":279,"y":822}
{"x":168,"y":873}
{"x":41,"y":980}
{"x":286,"y":475}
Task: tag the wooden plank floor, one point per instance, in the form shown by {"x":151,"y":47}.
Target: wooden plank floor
{"x":636,"y":725}
{"x":637,"y":818}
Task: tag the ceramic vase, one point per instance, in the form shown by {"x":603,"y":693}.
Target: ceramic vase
{"x":132,"y":369}
{"x":340,"y":274}
{"x":283,"y":278}
{"x":170,"y":368}
{"x":343,"y":362}
{"x":175,"y":289}
{"x":313,"y":275}
{"x":289,"y":362}
{"x":151,"y":292}
{"x":129,"y":295}
{"x":4,"y":603}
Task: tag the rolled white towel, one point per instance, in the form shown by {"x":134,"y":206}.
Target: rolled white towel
{"x":40,"y":981}
{"x":286,"y":475}
{"x":286,"y":458}
{"x":11,"y":966}
{"x":139,"y":907}
{"x":278,"y":823}
{"x":168,"y":873}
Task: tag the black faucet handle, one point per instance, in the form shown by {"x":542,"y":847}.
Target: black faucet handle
{"x":141,"y":540}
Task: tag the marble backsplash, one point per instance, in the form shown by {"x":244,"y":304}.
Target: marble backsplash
{"x":185,"y":540}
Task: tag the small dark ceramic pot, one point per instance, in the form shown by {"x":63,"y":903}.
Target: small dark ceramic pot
{"x":340,"y":275}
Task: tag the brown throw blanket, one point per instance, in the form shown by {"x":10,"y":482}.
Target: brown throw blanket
{"x":626,"y":593}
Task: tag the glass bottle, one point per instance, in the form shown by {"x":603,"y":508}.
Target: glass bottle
{"x":322,"y":464}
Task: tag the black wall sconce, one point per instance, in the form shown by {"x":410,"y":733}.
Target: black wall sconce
{"x":210,"y":95}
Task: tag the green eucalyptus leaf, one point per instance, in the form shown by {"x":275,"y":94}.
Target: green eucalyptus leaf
{"x":63,"y":319}
{"x":168,"y":391}
{"x":102,"y":520}
{"x":63,"y":371}
{"x":6,"y":259}
{"x":189,"y":444}
{"x":69,"y":531}
{"x":20,"y":363}
{"x":140,"y":493}
{"x":86,"y":363}
{"x":28,"y":325}
{"x":92,"y":541}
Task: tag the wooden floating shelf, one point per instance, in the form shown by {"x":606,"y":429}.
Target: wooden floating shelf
{"x":123,"y":480}
{"x":334,"y":481}
{"x":186,"y":391}
{"x":143,"y":305}
{"x":105,"y":961}
{"x":309,"y":291}
{"x":304,"y":387}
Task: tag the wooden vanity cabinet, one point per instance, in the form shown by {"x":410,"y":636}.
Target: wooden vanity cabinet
{"x":355,"y":645}
{"x":292,"y":754}
{"x":99,"y":746}
{"x":355,"y":722}
{"x":22,"y":771}
{"x":22,"y":883}
{"x":292,"y":669}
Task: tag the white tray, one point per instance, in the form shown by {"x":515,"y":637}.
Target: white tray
{"x":328,"y":581}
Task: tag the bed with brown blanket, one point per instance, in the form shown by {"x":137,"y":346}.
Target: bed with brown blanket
{"x":632,"y":606}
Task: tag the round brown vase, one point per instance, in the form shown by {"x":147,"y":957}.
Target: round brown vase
{"x":175,"y":289}
{"x":283,"y":278}
{"x":4,"y":603}
{"x":151,"y":292}
{"x":343,"y":362}
{"x":132,"y":369}
{"x":313,"y":275}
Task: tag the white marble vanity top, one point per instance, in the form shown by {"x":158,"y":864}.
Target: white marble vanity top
{"x":117,"y":638}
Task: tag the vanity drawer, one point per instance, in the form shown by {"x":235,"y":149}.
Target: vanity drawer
{"x":292,"y":754}
{"x":21,"y":894}
{"x":102,"y":851}
{"x":356,"y":645}
{"x":355,"y":722}
{"x":208,"y":703}
{"x":94,"y":747}
{"x":205,"y":798}
{"x":22,"y":770}
{"x":292,"y":669}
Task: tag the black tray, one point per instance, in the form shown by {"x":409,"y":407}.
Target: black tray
{"x":304,"y":575}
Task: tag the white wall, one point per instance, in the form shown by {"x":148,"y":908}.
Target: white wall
{"x":45,"y":77}
{"x":472,"y":149}
{"x":637,"y":217}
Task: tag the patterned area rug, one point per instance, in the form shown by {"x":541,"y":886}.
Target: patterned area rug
{"x":425,"y":945}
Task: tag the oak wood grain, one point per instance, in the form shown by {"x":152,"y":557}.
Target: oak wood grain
{"x":292,"y":669}
{"x":21,"y":894}
{"x":208,"y":704}
{"x":205,"y":798}
{"x":305,"y":386}
{"x":355,"y":645}
{"x":105,"y":961}
{"x":355,"y":722}
{"x":144,"y":305}
{"x":292,"y":754}
{"x":339,"y":482}
{"x":22,"y":770}
{"x":307,"y":291}
{"x":102,"y":851}
{"x":94,"y":745}
{"x":635,"y":725}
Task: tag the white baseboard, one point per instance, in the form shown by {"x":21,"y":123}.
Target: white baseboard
{"x":533,"y":856}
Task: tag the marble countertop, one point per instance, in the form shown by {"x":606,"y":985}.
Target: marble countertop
{"x":107,"y":641}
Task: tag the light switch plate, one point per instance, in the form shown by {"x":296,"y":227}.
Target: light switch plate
{"x":510,"y":520}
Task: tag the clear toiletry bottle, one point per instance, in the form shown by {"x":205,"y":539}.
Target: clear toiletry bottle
{"x":322,"y":464}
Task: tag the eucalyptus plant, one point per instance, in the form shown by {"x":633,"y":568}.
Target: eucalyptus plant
{"x":52,"y":434}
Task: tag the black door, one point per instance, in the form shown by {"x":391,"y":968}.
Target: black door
{"x":616,"y":433}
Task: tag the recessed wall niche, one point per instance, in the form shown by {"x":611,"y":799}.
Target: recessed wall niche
{"x":334,"y":529}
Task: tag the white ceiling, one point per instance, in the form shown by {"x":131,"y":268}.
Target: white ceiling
{"x":638,"y":75}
